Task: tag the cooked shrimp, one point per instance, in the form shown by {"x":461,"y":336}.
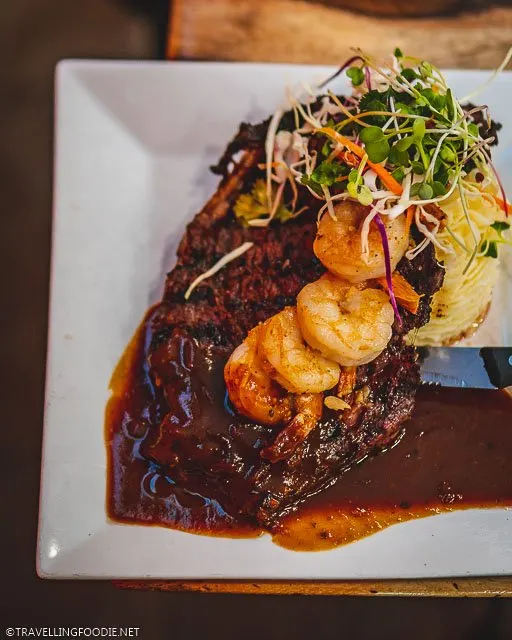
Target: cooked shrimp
{"x":346,"y":323}
{"x":257,"y":396}
{"x":309,"y":411}
{"x":251,"y":389}
{"x":338,"y":243}
{"x":291,"y":362}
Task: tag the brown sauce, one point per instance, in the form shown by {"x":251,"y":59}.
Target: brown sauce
{"x":456,"y":453}
{"x":137,"y":491}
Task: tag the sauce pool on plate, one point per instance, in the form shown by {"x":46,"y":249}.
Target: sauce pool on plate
{"x":455,"y":453}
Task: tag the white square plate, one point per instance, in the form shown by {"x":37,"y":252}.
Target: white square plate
{"x":133,"y":146}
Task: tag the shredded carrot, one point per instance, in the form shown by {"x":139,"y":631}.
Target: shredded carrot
{"x":408,"y":220}
{"x":505,"y":206}
{"x":405,"y":295}
{"x":388,"y":180}
{"x":349,"y":158}
{"x":273,"y":165}
{"x":295,"y":192}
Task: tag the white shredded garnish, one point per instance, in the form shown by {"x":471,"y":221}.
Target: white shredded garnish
{"x":232,"y":255}
{"x":269,"y":151}
{"x":327,"y":109}
{"x":412,"y":253}
{"x":365,"y":230}
{"x":316,"y":124}
{"x":294,"y":165}
{"x":307,"y":88}
{"x":314,"y":194}
{"x":389,"y":122}
{"x":291,"y":159}
{"x":496,"y":72}
{"x":299,"y":144}
{"x":404,"y":201}
{"x":395,"y":119}
{"x":328,"y":200}
{"x":369,"y":179}
{"x":264,"y":222}
{"x":381,"y":193}
{"x":283,"y":155}
{"x":397,"y":210}
{"x":338,"y":102}
{"x":338,"y":196}
{"x":430,"y":235}
{"x":299,"y":211}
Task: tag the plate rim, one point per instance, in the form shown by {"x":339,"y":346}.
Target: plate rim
{"x":64,"y":71}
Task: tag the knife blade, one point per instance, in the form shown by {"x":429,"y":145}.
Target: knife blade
{"x":470,"y":367}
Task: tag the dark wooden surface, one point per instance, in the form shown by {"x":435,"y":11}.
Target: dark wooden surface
{"x":316,"y":33}
{"x":453,"y":588}
{"x":34,"y":34}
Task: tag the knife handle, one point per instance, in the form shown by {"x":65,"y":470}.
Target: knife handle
{"x":498,"y":364}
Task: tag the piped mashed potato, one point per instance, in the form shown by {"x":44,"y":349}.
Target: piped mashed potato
{"x":463,"y":301}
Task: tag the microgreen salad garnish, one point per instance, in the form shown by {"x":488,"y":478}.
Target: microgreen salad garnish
{"x":401,"y":142}
{"x":408,"y":140}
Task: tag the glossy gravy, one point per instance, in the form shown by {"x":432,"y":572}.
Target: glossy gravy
{"x":456,"y":453}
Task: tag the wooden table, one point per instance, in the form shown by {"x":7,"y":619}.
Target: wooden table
{"x":309,"y":32}
{"x":456,"y":587}
{"x":305,"y":32}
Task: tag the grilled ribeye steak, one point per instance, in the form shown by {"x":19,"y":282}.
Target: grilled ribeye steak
{"x":195,"y":437}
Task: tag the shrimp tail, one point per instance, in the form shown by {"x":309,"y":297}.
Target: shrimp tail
{"x":309,"y":411}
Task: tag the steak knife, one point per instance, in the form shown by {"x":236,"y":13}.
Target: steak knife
{"x":470,"y":367}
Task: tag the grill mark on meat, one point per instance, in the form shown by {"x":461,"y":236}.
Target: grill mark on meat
{"x":202,"y":446}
